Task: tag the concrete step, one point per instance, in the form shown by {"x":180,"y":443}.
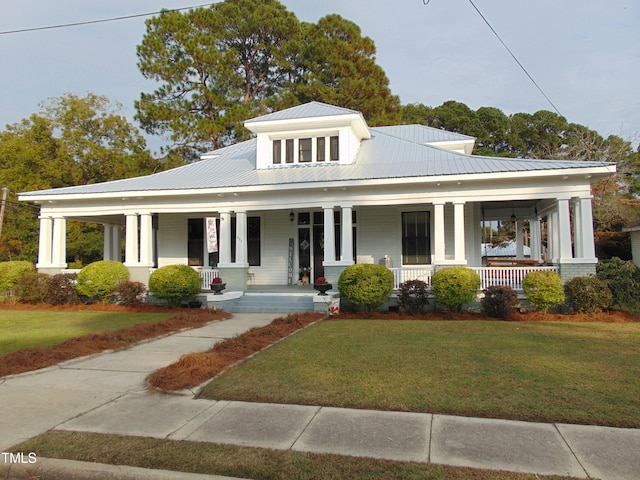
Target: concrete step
{"x":261,"y":303}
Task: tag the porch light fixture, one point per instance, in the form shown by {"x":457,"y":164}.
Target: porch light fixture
{"x":513,"y":218}
{"x":292,"y":216}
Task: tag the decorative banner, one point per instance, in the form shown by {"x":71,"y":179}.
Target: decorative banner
{"x":212,"y":235}
{"x":290,"y":263}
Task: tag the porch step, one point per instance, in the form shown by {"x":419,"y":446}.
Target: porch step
{"x":273,"y":303}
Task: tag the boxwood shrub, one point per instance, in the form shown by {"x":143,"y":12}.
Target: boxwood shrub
{"x":174,"y":283}
{"x":455,"y":286}
{"x":368,"y":285}
{"x":99,"y":279}
{"x":543,"y":289}
{"x":10,"y":273}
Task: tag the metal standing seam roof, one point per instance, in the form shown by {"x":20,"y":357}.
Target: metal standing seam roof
{"x":391,"y":153}
{"x":307,"y":110}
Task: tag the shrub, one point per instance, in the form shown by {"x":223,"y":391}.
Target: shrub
{"x":10,"y":272}
{"x":623,"y":279}
{"x":32,"y":287}
{"x":366,"y":284}
{"x":412,"y":296}
{"x":98,"y":279}
{"x":174,"y":283}
{"x":499,"y":301}
{"x":61,"y":289}
{"x":129,"y":293}
{"x":455,"y":286}
{"x":588,"y":295}
{"x":543,"y":289}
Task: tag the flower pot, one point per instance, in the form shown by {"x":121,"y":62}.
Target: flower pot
{"x":217,"y":288}
{"x":322,"y":287}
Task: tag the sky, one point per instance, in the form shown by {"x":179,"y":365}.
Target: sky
{"x":583,"y":54}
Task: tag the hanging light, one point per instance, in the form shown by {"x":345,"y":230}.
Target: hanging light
{"x":292,"y":216}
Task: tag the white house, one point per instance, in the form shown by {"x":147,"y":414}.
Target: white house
{"x":318,"y":189}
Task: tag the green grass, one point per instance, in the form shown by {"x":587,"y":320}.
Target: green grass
{"x":243,"y":462}
{"x":37,"y":328}
{"x":585,"y":373}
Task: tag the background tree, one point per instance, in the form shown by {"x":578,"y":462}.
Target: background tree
{"x":72,"y":141}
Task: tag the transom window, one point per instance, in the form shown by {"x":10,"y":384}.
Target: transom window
{"x":305,"y":150}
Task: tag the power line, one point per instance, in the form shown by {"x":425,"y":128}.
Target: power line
{"x":515,"y":58}
{"x":104,"y":20}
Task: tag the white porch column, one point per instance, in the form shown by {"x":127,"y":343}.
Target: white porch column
{"x":59,"y":250}
{"x":519,"y":239}
{"x":107,"y":249}
{"x":347,"y":235}
{"x":241,"y":238}
{"x":146,"y":240}
{"x":45,"y":242}
{"x":536,"y":251}
{"x":329,"y":236}
{"x":438,"y":233}
{"x":116,"y":237}
{"x":552,"y":236}
{"x":586,"y":230}
{"x":131,"y":252}
{"x":564,"y":230}
{"x":459,"y":234}
{"x":225,"y":239}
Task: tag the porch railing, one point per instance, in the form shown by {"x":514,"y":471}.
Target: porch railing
{"x":489,"y":276}
{"x":207,"y":275}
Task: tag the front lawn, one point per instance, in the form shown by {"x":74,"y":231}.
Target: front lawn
{"x":585,"y":373}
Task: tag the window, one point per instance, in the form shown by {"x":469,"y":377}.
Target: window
{"x":304,"y":150}
{"x":320,"y":155}
{"x":416,"y":238}
{"x":289,"y":152}
{"x":253,"y":241}
{"x":334,"y":149}
{"x":277,"y":151}
{"x":195,"y":242}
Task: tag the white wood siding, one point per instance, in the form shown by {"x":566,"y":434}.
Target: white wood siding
{"x":378,"y":233}
{"x":276,"y":231}
{"x":172,"y":239}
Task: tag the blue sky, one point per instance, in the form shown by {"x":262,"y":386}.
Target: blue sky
{"x":584,"y":54}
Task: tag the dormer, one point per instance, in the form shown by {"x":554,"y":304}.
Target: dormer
{"x":311,"y":134}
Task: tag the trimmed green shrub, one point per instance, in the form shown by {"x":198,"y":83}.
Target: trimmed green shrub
{"x":61,"y":289}
{"x":543,"y":289}
{"x":366,"y":284}
{"x":129,"y":293}
{"x":623,"y":279}
{"x":455,"y":286}
{"x":499,"y":301}
{"x":588,"y":295}
{"x":174,"y":283}
{"x":412,"y":297}
{"x":32,"y":287}
{"x":10,"y":272}
{"x":98,"y":279}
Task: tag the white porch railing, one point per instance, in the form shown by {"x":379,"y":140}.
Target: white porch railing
{"x":489,"y":276}
{"x":207,"y":275}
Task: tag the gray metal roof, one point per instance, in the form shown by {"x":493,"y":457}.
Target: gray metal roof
{"x":422,"y":133}
{"x":384,"y":156}
{"x":307,"y":110}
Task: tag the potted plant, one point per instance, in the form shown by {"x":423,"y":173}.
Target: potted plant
{"x":322,"y":285}
{"x":217,"y":286}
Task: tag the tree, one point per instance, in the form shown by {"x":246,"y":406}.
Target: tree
{"x":216,"y":66}
{"x":340,"y":69}
{"x":72,"y":141}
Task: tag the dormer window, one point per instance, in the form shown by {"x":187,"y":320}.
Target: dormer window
{"x":305,"y":150}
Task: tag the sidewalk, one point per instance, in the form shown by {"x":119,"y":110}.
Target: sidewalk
{"x":105,"y":394}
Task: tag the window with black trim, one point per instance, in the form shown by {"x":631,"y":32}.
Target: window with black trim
{"x":334,"y":149}
{"x":304,"y":150}
{"x":416,"y":238}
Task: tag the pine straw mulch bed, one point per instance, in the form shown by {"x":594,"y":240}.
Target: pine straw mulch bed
{"x":193,"y":369}
{"x":29,"y":359}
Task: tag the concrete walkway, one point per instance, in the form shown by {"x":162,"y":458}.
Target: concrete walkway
{"x":106,"y":394}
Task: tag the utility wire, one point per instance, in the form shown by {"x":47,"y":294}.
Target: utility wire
{"x":104,"y":20}
{"x":515,"y":58}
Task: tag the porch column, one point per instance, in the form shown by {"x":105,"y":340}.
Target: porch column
{"x":564,"y":230}
{"x":519,"y":239}
{"x":585,"y":234}
{"x":116,"y":237}
{"x":459,"y":234}
{"x":329,"y":235}
{"x":59,"y":250}
{"x":347,"y":234}
{"x":534,"y":227}
{"x":552,"y":236}
{"x":45,"y":242}
{"x":438,"y":233}
{"x":146,"y":240}
{"x":241,"y":238}
{"x":107,"y":248}
{"x":225,"y":239}
{"x":131,"y":252}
